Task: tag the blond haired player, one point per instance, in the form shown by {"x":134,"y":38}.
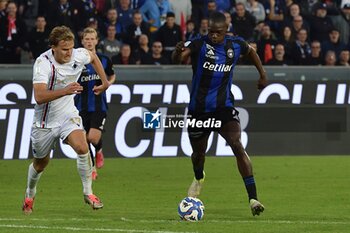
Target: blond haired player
{"x":55,"y":74}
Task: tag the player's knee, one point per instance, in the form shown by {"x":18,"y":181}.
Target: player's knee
{"x":92,"y":139}
{"x":81,"y":149}
{"x":198,"y":155}
{"x":236,"y":145}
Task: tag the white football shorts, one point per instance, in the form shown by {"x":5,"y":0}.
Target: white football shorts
{"x":44,"y":139}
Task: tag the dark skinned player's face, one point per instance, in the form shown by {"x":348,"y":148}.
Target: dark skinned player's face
{"x":217,"y":32}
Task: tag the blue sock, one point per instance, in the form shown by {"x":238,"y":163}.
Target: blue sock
{"x":249,"y":183}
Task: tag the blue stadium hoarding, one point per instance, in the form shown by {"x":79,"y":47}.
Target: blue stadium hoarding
{"x":287,"y":117}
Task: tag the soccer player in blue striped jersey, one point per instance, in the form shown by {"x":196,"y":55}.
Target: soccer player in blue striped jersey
{"x":214,"y":57}
{"x":93,"y":108}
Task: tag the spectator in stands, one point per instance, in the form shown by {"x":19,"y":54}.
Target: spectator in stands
{"x":224,"y":5}
{"x":151,"y":14}
{"x":124,"y":14}
{"x":344,"y":58}
{"x":287,"y":41}
{"x":256,"y":9}
{"x":343,"y":24}
{"x":68,"y":13}
{"x":137,"y":28}
{"x":30,"y":12}
{"x":136,"y":4}
{"x":297,"y":24}
{"x":3,"y":4}
{"x":182,"y":11}
{"x":197,"y":13}
{"x":38,"y":38}
{"x":169,"y":35}
{"x":156,"y":57}
{"x":190,"y":32}
{"x":12,"y":36}
{"x":301,"y":48}
{"x":243,"y":22}
{"x":279,"y":58}
{"x":293,"y":11}
{"x":330,"y":58}
{"x":275,"y":12}
{"x":315,"y":59}
{"x":306,"y":6}
{"x":90,"y":10}
{"x":143,"y":48}
{"x":266,"y":44}
{"x":125,"y":57}
{"x":211,"y":7}
{"x":204,"y":26}
{"x":230,"y":30}
{"x":333,"y":43}
{"x":110,"y":46}
{"x":320,"y":23}
{"x":112,"y":20}
{"x":164,"y":8}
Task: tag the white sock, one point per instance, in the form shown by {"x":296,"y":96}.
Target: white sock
{"x":85,"y":169}
{"x":33,"y":178}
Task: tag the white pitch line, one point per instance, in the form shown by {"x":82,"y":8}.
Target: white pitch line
{"x":269,"y":221}
{"x":87,"y":229}
{"x":250,"y":221}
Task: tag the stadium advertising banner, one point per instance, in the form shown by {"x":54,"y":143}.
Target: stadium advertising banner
{"x":149,"y":119}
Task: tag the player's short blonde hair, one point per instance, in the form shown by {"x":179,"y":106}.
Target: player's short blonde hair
{"x":89,"y":30}
{"x":60,"y":33}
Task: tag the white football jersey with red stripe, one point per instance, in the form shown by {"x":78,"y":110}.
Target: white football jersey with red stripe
{"x":57,"y":76}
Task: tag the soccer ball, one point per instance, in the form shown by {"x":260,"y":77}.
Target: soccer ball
{"x":191,"y":209}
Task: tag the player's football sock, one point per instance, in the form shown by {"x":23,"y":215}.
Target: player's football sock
{"x":85,"y":172}
{"x":33,"y":178}
{"x":91,"y":155}
{"x":98,"y":146}
{"x":198,"y":172}
{"x":196,"y":186}
{"x":249,"y":183}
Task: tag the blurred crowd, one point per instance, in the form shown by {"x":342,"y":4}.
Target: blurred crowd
{"x":284,"y":32}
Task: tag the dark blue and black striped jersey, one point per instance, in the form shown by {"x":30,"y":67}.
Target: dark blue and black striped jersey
{"x":87,"y":100}
{"x":212,"y":66}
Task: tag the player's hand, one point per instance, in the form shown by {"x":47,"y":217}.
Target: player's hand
{"x":262,"y":82}
{"x":99,"y":89}
{"x":180,"y":46}
{"x":73,"y":88}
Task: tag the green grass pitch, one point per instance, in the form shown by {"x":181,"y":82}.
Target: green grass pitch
{"x":300,"y":193}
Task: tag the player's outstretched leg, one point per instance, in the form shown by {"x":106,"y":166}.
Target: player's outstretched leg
{"x":196,"y":186}
{"x":77,"y":141}
{"x":199,"y":145}
{"x":35,"y":170}
{"x":231,"y":131}
{"x":94,"y":174}
{"x":85,"y":172}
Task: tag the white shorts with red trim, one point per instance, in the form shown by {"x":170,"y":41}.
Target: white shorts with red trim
{"x":44,"y":139}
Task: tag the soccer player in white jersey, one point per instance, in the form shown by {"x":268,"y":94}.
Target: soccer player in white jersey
{"x":55,"y":76}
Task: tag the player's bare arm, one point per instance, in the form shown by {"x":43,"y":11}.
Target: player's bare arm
{"x":180,"y":53}
{"x":43,"y":95}
{"x":111,"y":79}
{"x":96,"y":63}
{"x":253,"y":56}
